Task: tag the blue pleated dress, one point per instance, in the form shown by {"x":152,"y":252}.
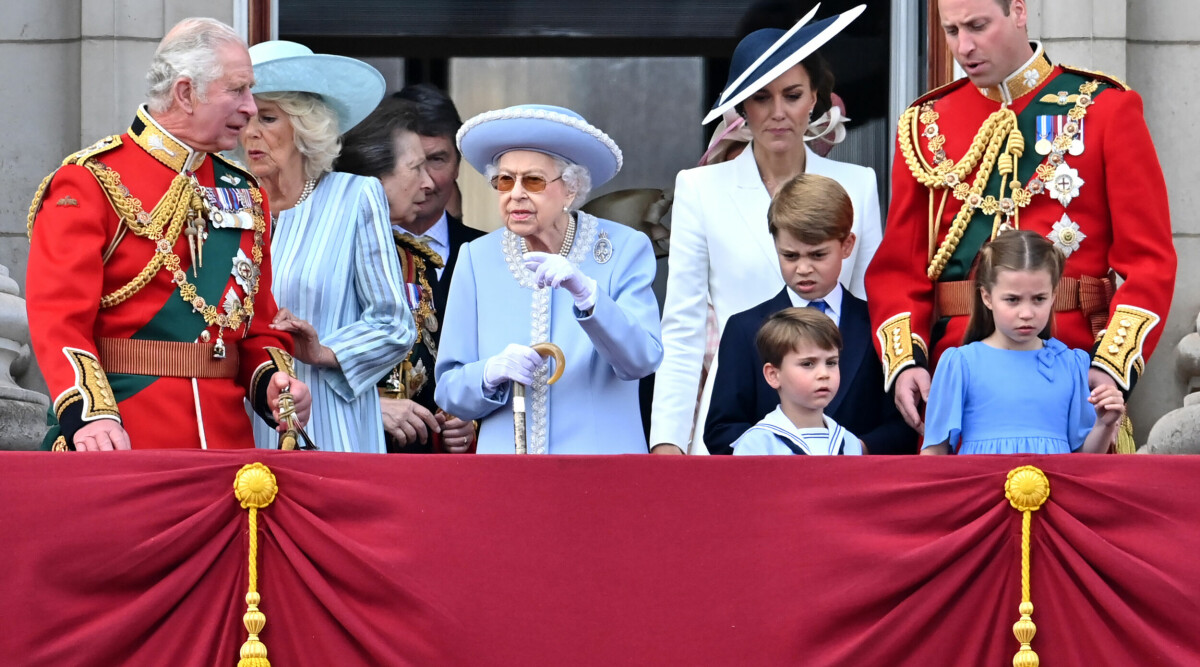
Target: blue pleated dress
{"x":985,"y":400}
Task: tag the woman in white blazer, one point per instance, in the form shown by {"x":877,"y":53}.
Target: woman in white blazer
{"x":721,"y":251}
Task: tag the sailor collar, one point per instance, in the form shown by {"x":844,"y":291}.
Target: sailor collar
{"x":162,"y":145}
{"x":1025,"y":79}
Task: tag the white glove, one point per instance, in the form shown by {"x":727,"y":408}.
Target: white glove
{"x":557,"y":271}
{"x":516,"y":363}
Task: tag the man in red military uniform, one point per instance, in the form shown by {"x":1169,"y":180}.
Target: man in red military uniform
{"x":1021,"y":143}
{"x":149,"y":291}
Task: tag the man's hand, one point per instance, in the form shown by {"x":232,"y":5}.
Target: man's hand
{"x":457,"y":434}
{"x":912,"y":390}
{"x":406,"y":420}
{"x":102,"y":435}
{"x":1098,"y":378}
{"x":308,"y":346}
{"x":666,"y":448}
{"x":300,"y":396}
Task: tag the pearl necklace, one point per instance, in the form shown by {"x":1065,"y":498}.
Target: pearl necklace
{"x":309,"y":186}
{"x":568,"y":238}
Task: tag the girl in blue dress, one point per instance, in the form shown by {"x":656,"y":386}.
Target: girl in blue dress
{"x":1011,"y":388}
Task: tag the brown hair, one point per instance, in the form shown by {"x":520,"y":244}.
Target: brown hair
{"x":812,"y":208}
{"x":1018,"y":250}
{"x":820,"y":77}
{"x":790,"y":328}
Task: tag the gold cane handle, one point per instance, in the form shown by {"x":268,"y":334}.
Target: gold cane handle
{"x":560,"y":362}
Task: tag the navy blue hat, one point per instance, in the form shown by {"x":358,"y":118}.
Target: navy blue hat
{"x":763,"y":55}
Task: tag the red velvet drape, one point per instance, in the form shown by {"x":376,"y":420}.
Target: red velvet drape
{"x":140,"y":558}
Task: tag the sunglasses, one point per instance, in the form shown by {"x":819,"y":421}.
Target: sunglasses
{"x":530,"y":183}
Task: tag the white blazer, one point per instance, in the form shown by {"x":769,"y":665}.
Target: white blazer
{"x":721,"y":252}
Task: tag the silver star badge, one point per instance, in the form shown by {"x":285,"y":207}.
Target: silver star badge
{"x":244,"y":271}
{"x":1066,"y":236}
{"x":1065,"y":185}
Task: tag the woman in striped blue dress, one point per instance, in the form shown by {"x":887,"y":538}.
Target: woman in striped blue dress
{"x":335,"y":275}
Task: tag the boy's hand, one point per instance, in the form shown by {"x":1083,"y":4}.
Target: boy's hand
{"x":1110,"y":405}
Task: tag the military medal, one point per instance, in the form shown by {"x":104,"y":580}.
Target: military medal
{"x":219,"y":348}
{"x":1045,"y":137}
{"x":603,"y":250}
{"x":1077,"y":142}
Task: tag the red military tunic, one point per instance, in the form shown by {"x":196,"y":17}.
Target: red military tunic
{"x":1103,"y":201}
{"x":111,"y":262}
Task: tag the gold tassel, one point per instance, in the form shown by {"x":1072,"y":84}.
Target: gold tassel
{"x":1026,"y":489}
{"x":1125,"y":442}
{"x":255,"y":487}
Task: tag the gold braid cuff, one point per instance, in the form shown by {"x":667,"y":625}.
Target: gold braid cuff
{"x":91,"y":387}
{"x":1120,"y":351}
{"x":897,"y":343}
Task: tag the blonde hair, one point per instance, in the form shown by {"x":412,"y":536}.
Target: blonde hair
{"x":788,"y":329}
{"x":1015,"y":250}
{"x":314,"y":128}
{"x":812,"y":208}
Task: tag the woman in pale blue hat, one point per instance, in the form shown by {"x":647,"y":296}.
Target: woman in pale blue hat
{"x":335,"y":275}
{"x":552,"y":274}
{"x":721,"y":251}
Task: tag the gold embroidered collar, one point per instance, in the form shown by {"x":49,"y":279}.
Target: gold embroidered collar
{"x":161,"y":145}
{"x":1027,"y":78}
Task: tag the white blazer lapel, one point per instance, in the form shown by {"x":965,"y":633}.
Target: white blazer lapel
{"x":748,"y":198}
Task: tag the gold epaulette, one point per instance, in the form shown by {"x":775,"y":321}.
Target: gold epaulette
{"x":79,"y":157}
{"x":1094,"y":74}
{"x":940,"y":91}
{"x":1120,"y":350}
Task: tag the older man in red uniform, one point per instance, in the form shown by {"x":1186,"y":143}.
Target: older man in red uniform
{"x":1021,"y":143}
{"x":149,"y":291}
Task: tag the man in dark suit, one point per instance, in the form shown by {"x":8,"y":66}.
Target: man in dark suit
{"x":810,"y":219}
{"x":427,"y":241}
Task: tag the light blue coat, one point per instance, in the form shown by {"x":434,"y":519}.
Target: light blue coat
{"x":593,"y":408}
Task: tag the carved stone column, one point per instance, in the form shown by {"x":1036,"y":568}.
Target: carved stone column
{"x":1178,"y":431}
{"x":22,"y":412}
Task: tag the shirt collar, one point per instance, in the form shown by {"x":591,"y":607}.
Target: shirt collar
{"x":162,"y":145}
{"x":833,"y":301}
{"x":1025,"y":79}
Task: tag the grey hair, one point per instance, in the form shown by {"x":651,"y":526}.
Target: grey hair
{"x":314,"y":128}
{"x":189,"y":51}
{"x":576,"y":177}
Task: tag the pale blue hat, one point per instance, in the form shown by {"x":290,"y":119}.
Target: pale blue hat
{"x":552,"y":130}
{"x":350,"y":87}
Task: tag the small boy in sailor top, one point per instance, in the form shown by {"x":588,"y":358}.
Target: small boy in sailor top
{"x":800,"y":347}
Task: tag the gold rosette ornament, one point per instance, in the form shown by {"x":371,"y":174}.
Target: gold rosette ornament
{"x":1027,"y":489}
{"x":254,"y":487}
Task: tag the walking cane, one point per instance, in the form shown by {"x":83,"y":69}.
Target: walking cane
{"x":546,"y":350}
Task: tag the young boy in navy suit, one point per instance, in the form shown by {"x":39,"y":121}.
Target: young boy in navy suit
{"x":810,"y":219}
